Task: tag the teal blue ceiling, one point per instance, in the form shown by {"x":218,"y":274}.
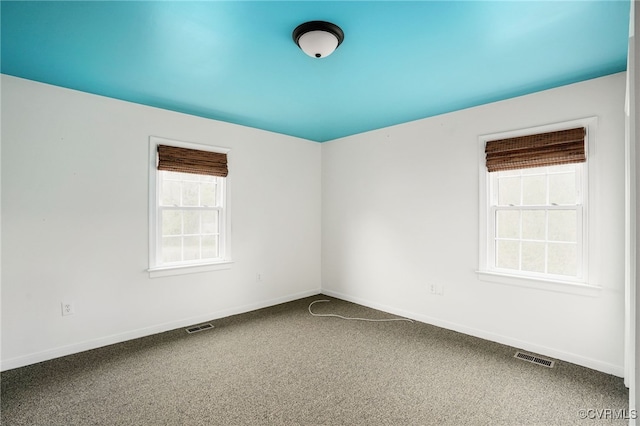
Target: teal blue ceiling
{"x":235,"y":61}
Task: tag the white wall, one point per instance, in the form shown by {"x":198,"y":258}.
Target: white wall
{"x":400,"y":211}
{"x":633,"y":160}
{"x":75,"y":222}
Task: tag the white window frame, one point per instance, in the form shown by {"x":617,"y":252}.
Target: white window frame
{"x":581,"y":284}
{"x":159,"y":270}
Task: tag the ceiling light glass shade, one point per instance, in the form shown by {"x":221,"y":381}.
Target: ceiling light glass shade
{"x":318,"y":44}
{"x":318,"y":39}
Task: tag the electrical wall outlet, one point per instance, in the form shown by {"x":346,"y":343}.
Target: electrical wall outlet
{"x":436,"y":289}
{"x":259,"y":277}
{"x":68,"y":308}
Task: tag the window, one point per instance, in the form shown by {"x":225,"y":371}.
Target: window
{"x":189,"y":229}
{"x":533,"y":210}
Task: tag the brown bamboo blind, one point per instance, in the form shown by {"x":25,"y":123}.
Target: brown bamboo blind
{"x":185,"y":160}
{"x":543,"y":149}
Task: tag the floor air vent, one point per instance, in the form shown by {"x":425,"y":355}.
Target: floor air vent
{"x":534,"y":359}
{"x":197,"y":328}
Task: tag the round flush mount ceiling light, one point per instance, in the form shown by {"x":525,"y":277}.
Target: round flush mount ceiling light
{"x":318,"y":39}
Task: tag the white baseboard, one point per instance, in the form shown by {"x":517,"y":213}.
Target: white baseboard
{"x":616,"y":370}
{"x":34,"y":358}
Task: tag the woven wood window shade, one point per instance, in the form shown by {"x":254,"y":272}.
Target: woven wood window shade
{"x":184,"y":160}
{"x":543,"y":149}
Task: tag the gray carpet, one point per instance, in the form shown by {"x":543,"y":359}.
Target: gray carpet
{"x":282,"y":366}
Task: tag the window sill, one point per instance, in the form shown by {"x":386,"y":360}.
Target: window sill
{"x":559,"y":286}
{"x":166,"y":271}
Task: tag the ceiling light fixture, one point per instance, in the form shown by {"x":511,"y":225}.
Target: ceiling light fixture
{"x":318,"y":39}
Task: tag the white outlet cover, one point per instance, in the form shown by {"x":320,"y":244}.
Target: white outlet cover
{"x":67,"y":308}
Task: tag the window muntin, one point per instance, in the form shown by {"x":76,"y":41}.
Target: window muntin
{"x":536,"y":222}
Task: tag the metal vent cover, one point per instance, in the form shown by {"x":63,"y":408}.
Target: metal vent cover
{"x":197,"y":328}
{"x":534,"y":359}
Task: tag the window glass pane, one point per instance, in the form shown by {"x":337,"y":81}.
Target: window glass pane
{"x":533,"y":171}
{"x":534,"y":190}
{"x":562,"y":259}
{"x":171,"y":222}
{"x":181,"y":176}
{"x":562,"y":188}
{"x":562,"y":225}
{"x":170,"y":195}
{"x":533,"y":256}
{"x":208,"y":178}
{"x":509,"y":191}
{"x":208,"y":194}
{"x":210,"y":247}
{"x":533,"y":225}
{"x":563,"y":168}
{"x":171,"y":249}
{"x":508,"y":254}
{"x":191,"y":222}
{"x":508,"y":224}
{"x":210,"y":222}
{"x":191,"y":248}
{"x":190,"y":193}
